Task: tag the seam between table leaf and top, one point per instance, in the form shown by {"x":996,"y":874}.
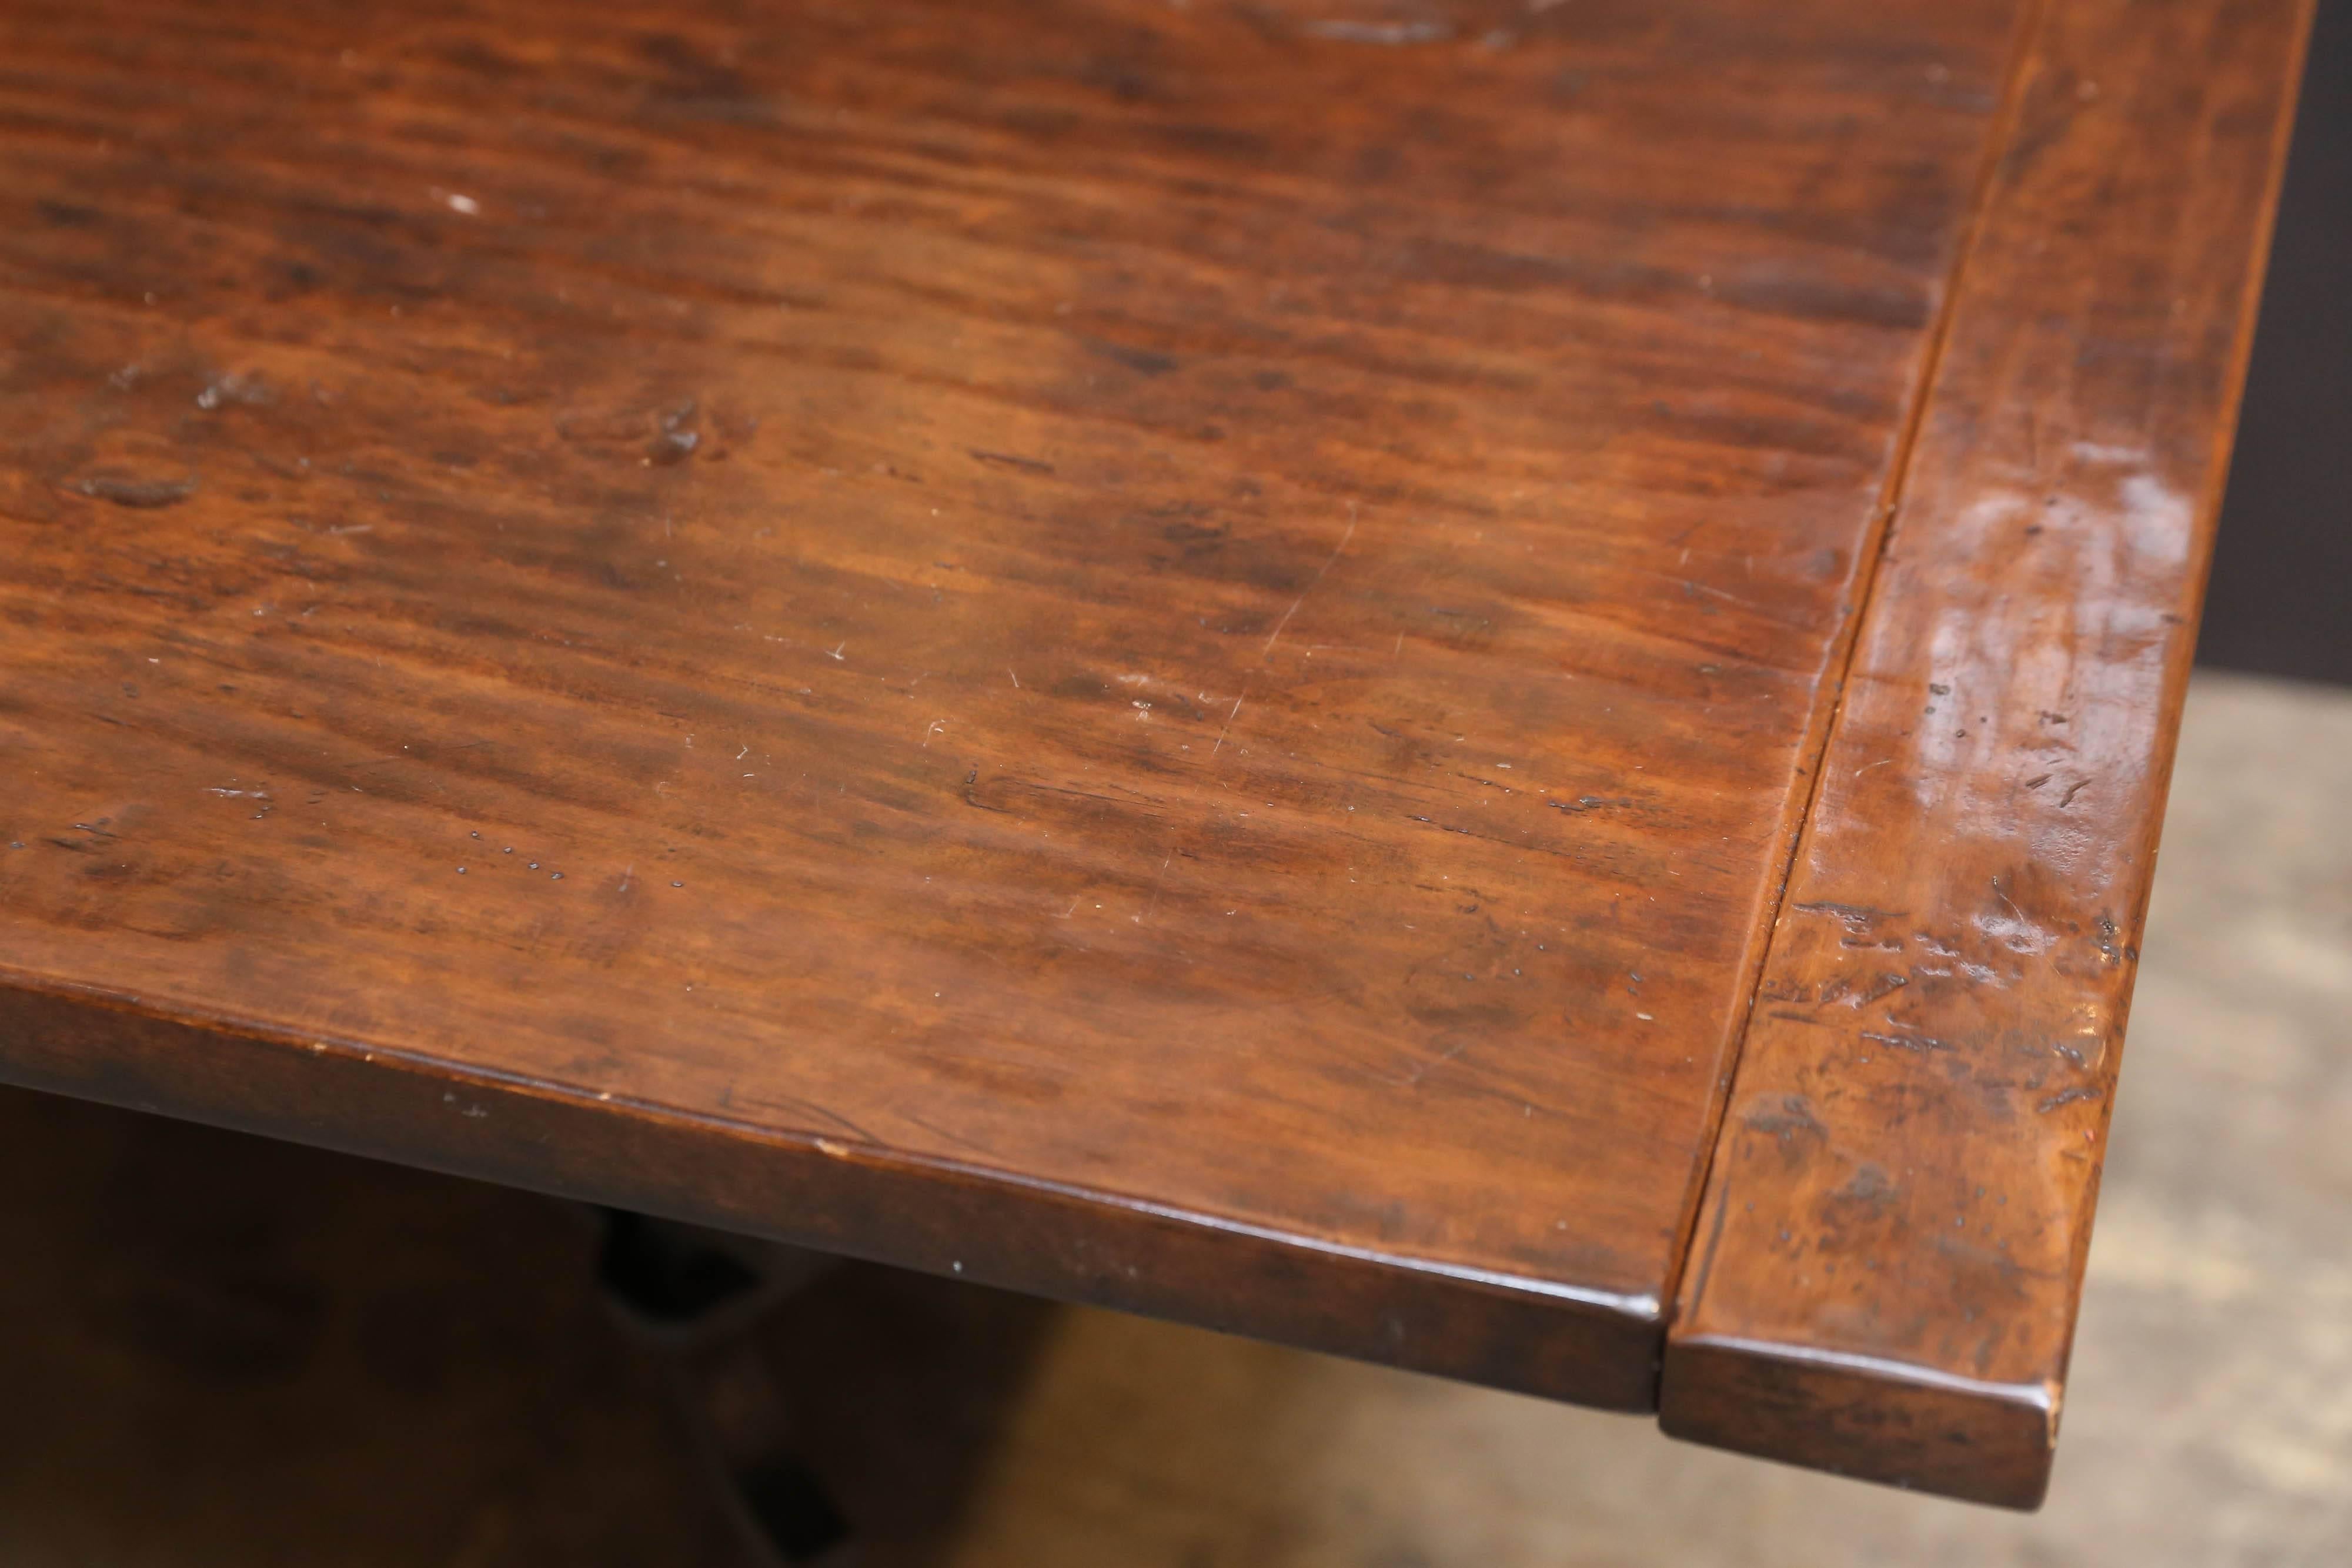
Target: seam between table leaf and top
{"x":2049,"y":1397}
{"x":2000,"y":137}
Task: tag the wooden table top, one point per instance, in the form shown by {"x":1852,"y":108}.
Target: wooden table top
{"x":1187,"y":656}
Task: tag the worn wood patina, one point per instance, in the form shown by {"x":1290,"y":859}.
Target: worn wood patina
{"x":1170,"y":655}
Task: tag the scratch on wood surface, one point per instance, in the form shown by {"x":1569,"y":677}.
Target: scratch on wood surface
{"x":1350,"y":533}
{"x":1157,"y":881}
{"x":1229,"y":725}
{"x":1413,"y":1079}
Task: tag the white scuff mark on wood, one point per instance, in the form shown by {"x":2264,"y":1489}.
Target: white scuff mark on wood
{"x":1320,"y":573}
{"x":1154,"y":902}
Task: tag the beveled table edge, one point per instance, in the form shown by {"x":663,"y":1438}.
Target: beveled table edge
{"x":944,"y":1216}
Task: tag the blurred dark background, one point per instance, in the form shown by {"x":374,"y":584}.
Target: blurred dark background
{"x":2281,"y":603}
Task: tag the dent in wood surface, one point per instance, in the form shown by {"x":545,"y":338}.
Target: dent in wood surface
{"x":1885,"y":1273}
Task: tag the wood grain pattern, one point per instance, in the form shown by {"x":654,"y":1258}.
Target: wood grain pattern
{"x":1886,"y":1271}
{"x":1158,"y":652}
{"x":1163,"y":654}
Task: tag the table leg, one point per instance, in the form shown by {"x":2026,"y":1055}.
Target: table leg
{"x":693,"y":1297}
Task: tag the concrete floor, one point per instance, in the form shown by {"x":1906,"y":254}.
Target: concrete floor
{"x":290,"y":1358}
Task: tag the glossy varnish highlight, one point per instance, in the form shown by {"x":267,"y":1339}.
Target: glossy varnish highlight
{"x":1884,"y":1277}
